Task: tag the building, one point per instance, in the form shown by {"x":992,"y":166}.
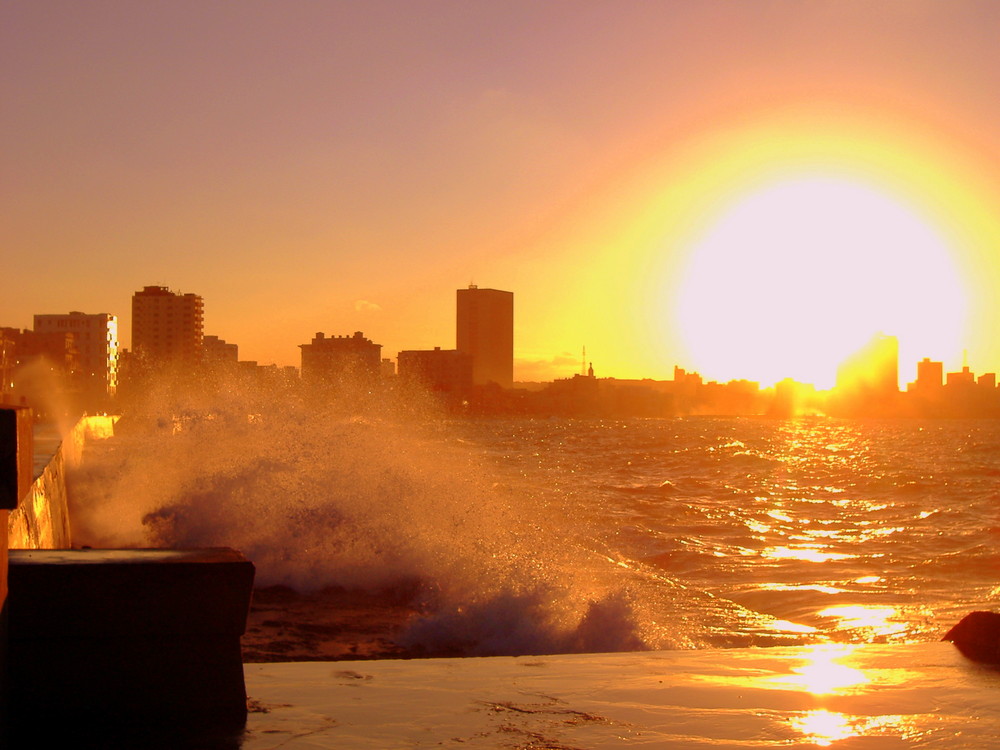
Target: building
{"x":33,"y":363}
{"x":437,"y":369}
{"x":166,"y":328}
{"x":485,"y":331}
{"x":333,"y":359}
{"x":95,"y":341}
{"x":930,"y":377}
{"x":218,"y":351}
{"x":964,"y":379}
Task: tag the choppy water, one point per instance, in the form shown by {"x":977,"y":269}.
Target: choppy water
{"x":853,"y":531}
{"x":527,"y":536}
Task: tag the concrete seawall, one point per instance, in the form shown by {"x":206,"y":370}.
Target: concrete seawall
{"x":41,"y":519}
{"x":108,"y":648}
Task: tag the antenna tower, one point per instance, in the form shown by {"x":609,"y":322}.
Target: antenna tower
{"x":583,"y":362}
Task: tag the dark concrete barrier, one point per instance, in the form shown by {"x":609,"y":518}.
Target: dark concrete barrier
{"x":127,"y":641}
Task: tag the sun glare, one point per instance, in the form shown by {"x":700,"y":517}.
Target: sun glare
{"x":791,"y":278}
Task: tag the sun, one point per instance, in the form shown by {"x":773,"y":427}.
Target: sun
{"x":792,"y":276}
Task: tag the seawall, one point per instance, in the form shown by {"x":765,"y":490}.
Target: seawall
{"x":109,"y":648}
{"x":41,"y":519}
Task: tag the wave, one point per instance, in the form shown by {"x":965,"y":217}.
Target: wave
{"x":537,"y":537}
{"x":316,"y":500}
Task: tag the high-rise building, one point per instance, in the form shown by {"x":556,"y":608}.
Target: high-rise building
{"x":485,"y":331}
{"x":95,"y":339}
{"x":166,"y":327}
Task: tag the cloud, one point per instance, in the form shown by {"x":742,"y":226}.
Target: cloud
{"x":363,"y":305}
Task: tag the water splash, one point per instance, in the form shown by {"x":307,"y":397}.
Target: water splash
{"x":316,"y":498}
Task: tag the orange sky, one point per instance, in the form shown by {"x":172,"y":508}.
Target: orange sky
{"x":346,"y":166}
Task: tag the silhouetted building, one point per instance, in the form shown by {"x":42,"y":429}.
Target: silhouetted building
{"x":963,"y":396}
{"x":930,"y":377}
{"x":57,"y":348}
{"x":95,"y":340}
{"x":964,"y":379}
{"x":166,"y":328}
{"x":485,"y":331}
{"x":336,"y":358}
{"x":218,"y":351}
{"x":437,"y":369}
{"x":38,"y":368}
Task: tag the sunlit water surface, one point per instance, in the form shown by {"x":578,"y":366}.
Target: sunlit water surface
{"x":849,"y":531}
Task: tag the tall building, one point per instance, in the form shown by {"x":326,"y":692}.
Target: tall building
{"x":485,"y":331}
{"x":930,"y":377}
{"x":166,"y":327}
{"x":333,"y":358}
{"x":95,"y":339}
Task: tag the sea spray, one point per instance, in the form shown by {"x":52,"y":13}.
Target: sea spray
{"x":318,"y":497}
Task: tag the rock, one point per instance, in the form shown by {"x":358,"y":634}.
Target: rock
{"x":977,"y":636}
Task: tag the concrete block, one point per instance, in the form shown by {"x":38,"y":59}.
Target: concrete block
{"x":128,"y":639}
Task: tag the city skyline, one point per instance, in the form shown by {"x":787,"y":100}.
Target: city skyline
{"x":174,"y":331}
{"x":703,"y":184}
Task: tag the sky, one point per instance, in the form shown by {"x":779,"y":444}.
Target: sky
{"x":746,"y":189}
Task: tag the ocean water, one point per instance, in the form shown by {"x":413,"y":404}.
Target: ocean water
{"x":798,"y":530}
{"x":555,"y":536}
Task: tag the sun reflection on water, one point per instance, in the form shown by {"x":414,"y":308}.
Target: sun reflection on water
{"x":817,"y":680}
{"x":876,"y":621}
{"x":823,"y":671}
{"x":823,"y":727}
{"x":805,"y":554}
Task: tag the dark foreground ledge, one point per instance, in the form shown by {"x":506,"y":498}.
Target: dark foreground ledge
{"x":126,"y":642}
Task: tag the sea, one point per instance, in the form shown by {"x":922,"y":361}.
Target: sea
{"x":543,"y":536}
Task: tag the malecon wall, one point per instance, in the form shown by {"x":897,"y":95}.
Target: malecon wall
{"x":153,"y":634}
{"x":41,"y":519}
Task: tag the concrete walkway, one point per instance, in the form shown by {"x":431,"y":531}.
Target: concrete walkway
{"x":846,"y":697}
